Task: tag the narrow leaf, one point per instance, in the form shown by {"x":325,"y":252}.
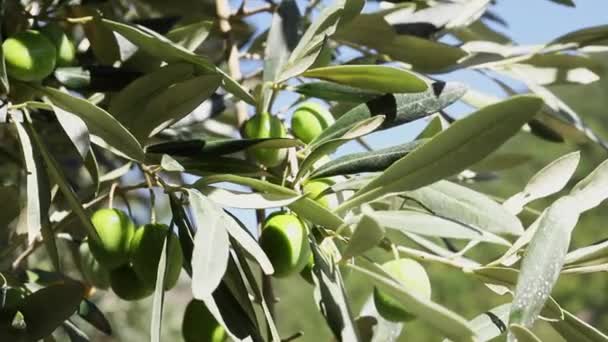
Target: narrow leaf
{"x":329,"y":146}
{"x":336,"y":92}
{"x":211,"y":246}
{"x":372,"y":161}
{"x":443,"y":320}
{"x":367,"y":234}
{"x":398,"y":109}
{"x":159,"y":295}
{"x":385,"y":79}
{"x":159,"y":46}
{"x":593,"y":189}
{"x":100,"y":123}
{"x":247,"y":200}
{"x":543,"y":261}
{"x":430,"y":225}
{"x":330,"y":295}
{"x":465,"y":205}
{"x":490,"y":324}
{"x":522,"y":334}
{"x":549,"y":180}
{"x":466,"y":142}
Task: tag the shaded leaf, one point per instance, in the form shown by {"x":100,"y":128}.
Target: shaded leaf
{"x":199,"y":148}
{"x":336,"y":92}
{"x":47,"y":308}
{"x":371,"y":161}
{"x":583,"y":37}
{"x":573,"y":328}
{"x":329,"y":146}
{"x":88,"y":311}
{"x":330,"y":295}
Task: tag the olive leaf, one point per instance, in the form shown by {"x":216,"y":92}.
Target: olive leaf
{"x":466,"y":142}
{"x":371,"y":161}
{"x":211,"y":245}
{"x":159,"y":46}
{"x":385,"y":79}
{"x":443,"y":320}
{"x":549,"y":180}
{"x":100,"y":123}
{"x":398,"y":109}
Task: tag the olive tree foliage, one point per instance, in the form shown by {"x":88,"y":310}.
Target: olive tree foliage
{"x":157,"y":99}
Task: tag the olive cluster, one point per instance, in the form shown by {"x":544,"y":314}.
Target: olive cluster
{"x":284,"y":236}
{"x":32,"y":55}
{"x":126,"y":258}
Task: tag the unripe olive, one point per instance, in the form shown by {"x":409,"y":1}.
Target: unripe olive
{"x":309,"y":120}
{"x":314,"y":188}
{"x":284,"y":239}
{"x":64,"y":47}
{"x":127,"y":285}
{"x":94,"y":273}
{"x":29,"y":56}
{"x":146,"y":248}
{"x":199,"y":325}
{"x":115,"y":231}
{"x":264,"y":125}
{"x":412,"y":276}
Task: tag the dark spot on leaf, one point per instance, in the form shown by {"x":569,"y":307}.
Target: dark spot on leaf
{"x":438,"y":87}
{"x":497,"y":321}
{"x":384,"y":105}
{"x":422,"y":30}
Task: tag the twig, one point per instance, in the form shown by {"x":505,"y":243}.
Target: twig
{"x":234,"y":66}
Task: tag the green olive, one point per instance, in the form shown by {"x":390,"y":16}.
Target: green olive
{"x":314,"y":189}
{"x":199,"y":325}
{"x":94,"y":273}
{"x":127,"y":285}
{"x":309,"y":120}
{"x":284,"y":239}
{"x":412,"y":276}
{"x":29,"y":56}
{"x":115,"y":231}
{"x":66,"y":52}
{"x":264,"y":125}
{"x":146,"y":248}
